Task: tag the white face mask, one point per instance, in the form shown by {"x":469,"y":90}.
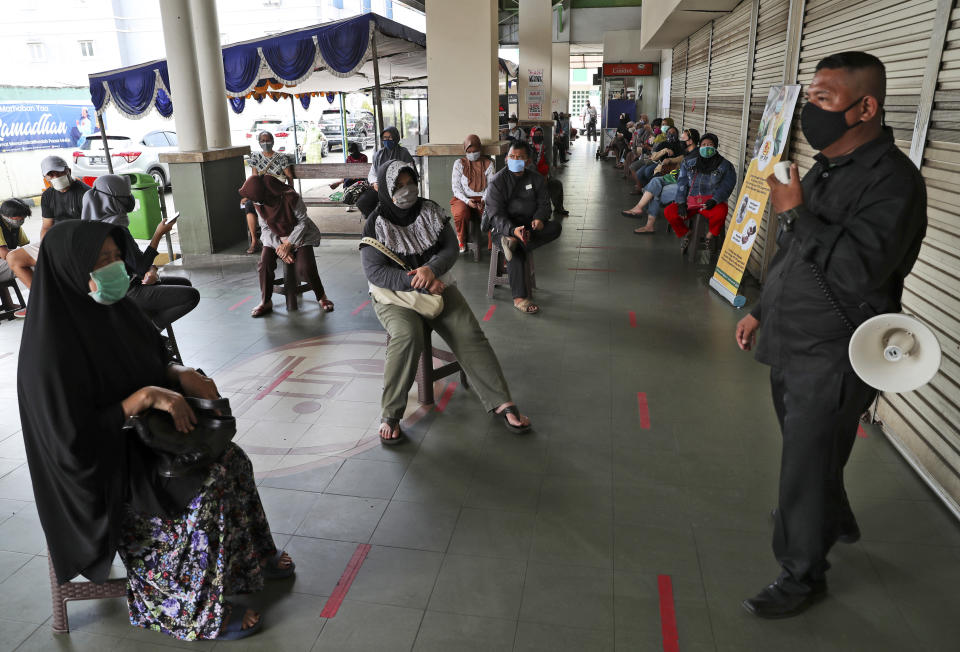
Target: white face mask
{"x":13,"y":222}
{"x":513,"y":125}
{"x":60,"y":183}
{"x":405,"y":196}
{"x":473,"y":156}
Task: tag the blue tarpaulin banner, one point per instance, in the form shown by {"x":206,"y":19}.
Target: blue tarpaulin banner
{"x":38,"y":125}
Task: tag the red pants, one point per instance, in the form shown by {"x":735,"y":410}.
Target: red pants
{"x":716,"y":216}
{"x":462,"y":214}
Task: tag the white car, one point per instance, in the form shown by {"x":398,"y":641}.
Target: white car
{"x":128,"y":155}
{"x":283,"y":140}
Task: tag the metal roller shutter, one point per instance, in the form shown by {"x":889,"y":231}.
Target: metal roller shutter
{"x":926,"y":423}
{"x":767,"y":72}
{"x":697,"y":73}
{"x":728,"y":76}
{"x":678,"y":80}
{"x":896,"y":31}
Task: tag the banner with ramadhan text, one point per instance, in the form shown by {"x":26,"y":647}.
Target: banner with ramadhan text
{"x":754,"y":193}
{"x":41,"y":125}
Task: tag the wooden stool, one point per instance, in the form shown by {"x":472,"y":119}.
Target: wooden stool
{"x":698,"y":229}
{"x":63,"y":593}
{"x":6,"y":312}
{"x":498,"y":269}
{"x":289,"y":286}
{"x":427,"y":374}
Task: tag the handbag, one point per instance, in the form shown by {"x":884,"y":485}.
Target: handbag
{"x":426,"y":304}
{"x":353,"y":192}
{"x":175,"y":454}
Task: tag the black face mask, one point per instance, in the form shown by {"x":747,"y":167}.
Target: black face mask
{"x":823,"y":128}
{"x":538,"y":138}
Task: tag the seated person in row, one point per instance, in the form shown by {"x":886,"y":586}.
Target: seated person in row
{"x":166,"y":299}
{"x":471,"y":176}
{"x":266,"y":161}
{"x":288,"y":234}
{"x":62,"y":201}
{"x":391,"y":150}
{"x":417,"y":231}
{"x":703,"y":186}
{"x":640,"y":133}
{"x":515,"y":133}
{"x":669,"y":148}
{"x":518,"y":207}
{"x":662,"y":189}
{"x":540,"y":162}
{"x":186,"y":543}
{"x":13,"y":212}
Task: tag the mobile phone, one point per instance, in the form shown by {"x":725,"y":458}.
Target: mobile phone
{"x":173,"y":218}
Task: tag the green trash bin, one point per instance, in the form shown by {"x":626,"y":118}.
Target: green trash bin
{"x":145,"y":216}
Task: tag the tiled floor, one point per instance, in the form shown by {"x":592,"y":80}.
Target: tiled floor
{"x":482,"y":540}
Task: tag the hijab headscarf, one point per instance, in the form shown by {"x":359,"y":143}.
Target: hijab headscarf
{"x":397,"y":153}
{"x":78,"y":361}
{"x":712,"y":163}
{"x":275,"y":201}
{"x":475,"y":171}
{"x":623,"y":127}
{"x":108,"y":201}
{"x":405,"y":231}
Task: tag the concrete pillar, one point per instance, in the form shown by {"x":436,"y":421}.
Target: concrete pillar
{"x":184,"y":84}
{"x":462,"y":68}
{"x":560,"y":88}
{"x":536,"y":58}
{"x":209,"y":70}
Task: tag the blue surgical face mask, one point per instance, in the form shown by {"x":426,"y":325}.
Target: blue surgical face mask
{"x":707,"y":151}
{"x":516,"y":164}
{"x":389,"y":144}
{"x":112,"y":283}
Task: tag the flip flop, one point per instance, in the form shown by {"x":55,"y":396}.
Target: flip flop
{"x":234,"y":630}
{"x":260,"y":311}
{"x":638,"y":232}
{"x":327,"y":305}
{"x":393,"y":441}
{"x":525,"y":307}
{"x":272,"y":570}
{"x":629,"y":214}
{"x":512,"y":409}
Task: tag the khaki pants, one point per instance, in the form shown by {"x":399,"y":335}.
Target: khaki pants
{"x":460,"y":330}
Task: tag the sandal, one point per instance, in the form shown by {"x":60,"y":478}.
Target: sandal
{"x":260,"y":311}
{"x":273,"y":571}
{"x":394,"y":424}
{"x":327,"y":305}
{"x":512,"y":409}
{"x":234,"y":630}
{"x":643,"y":231}
{"x":527,"y":307}
{"x":630,"y":213}
{"x":254,"y":248}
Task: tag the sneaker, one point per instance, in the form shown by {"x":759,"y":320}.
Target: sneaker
{"x":462,"y":249}
{"x":20,"y":314}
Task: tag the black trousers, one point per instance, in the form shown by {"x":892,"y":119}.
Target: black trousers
{"x":518,"y":280}
{"x":165,"y":301}
{"x":555,"y":190}
{"x":819,"y":414}
{"x":592,"y":130}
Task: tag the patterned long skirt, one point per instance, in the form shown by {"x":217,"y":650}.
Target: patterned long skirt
{"x":178,"y":570}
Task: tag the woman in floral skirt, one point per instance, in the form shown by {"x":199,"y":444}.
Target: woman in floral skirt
{"x":90,"y":359}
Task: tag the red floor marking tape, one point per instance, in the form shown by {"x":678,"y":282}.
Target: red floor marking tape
{"x":633,"y":319}
{"x":272,"y":386}
{"x":589,"y":269}
{"x":861,"y":432}
{"x":644,"y":410}
{"x":668,"y":615}
{"x":489,"y":314}
{"x":447,"y":394}
{"x":239,"y":303}
{"x":360,"y":307}
{"x":343,"y":584}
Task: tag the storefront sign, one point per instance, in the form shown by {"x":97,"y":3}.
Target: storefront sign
{"x":32,"y":125}
{"x":627,"y":69}
{"x":754,"y":194}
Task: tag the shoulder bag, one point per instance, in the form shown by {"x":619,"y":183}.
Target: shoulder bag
{"x":426,"y":304}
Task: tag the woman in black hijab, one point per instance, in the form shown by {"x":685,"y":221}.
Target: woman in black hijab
{"x":392,"y":150}
{"x":90,"y":359}
{"x":419,"y":233}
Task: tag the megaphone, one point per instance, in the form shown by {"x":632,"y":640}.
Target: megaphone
{"x":894,"y":352}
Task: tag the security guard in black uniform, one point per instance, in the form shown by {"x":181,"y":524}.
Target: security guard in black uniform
{"x":849,"y":234}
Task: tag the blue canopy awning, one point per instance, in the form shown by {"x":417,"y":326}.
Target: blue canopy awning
{"x":332,"y":51}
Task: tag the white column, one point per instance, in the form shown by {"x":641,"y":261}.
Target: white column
{"x":561,"y":78}
{"x":536,"y":57}
{"x":462,"y":37}
{"x":206,"y":39}
{"x":184,"y":84}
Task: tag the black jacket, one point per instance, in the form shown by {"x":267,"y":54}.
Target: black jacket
{"x":863,"y":219}
{"x":514,"y":201}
